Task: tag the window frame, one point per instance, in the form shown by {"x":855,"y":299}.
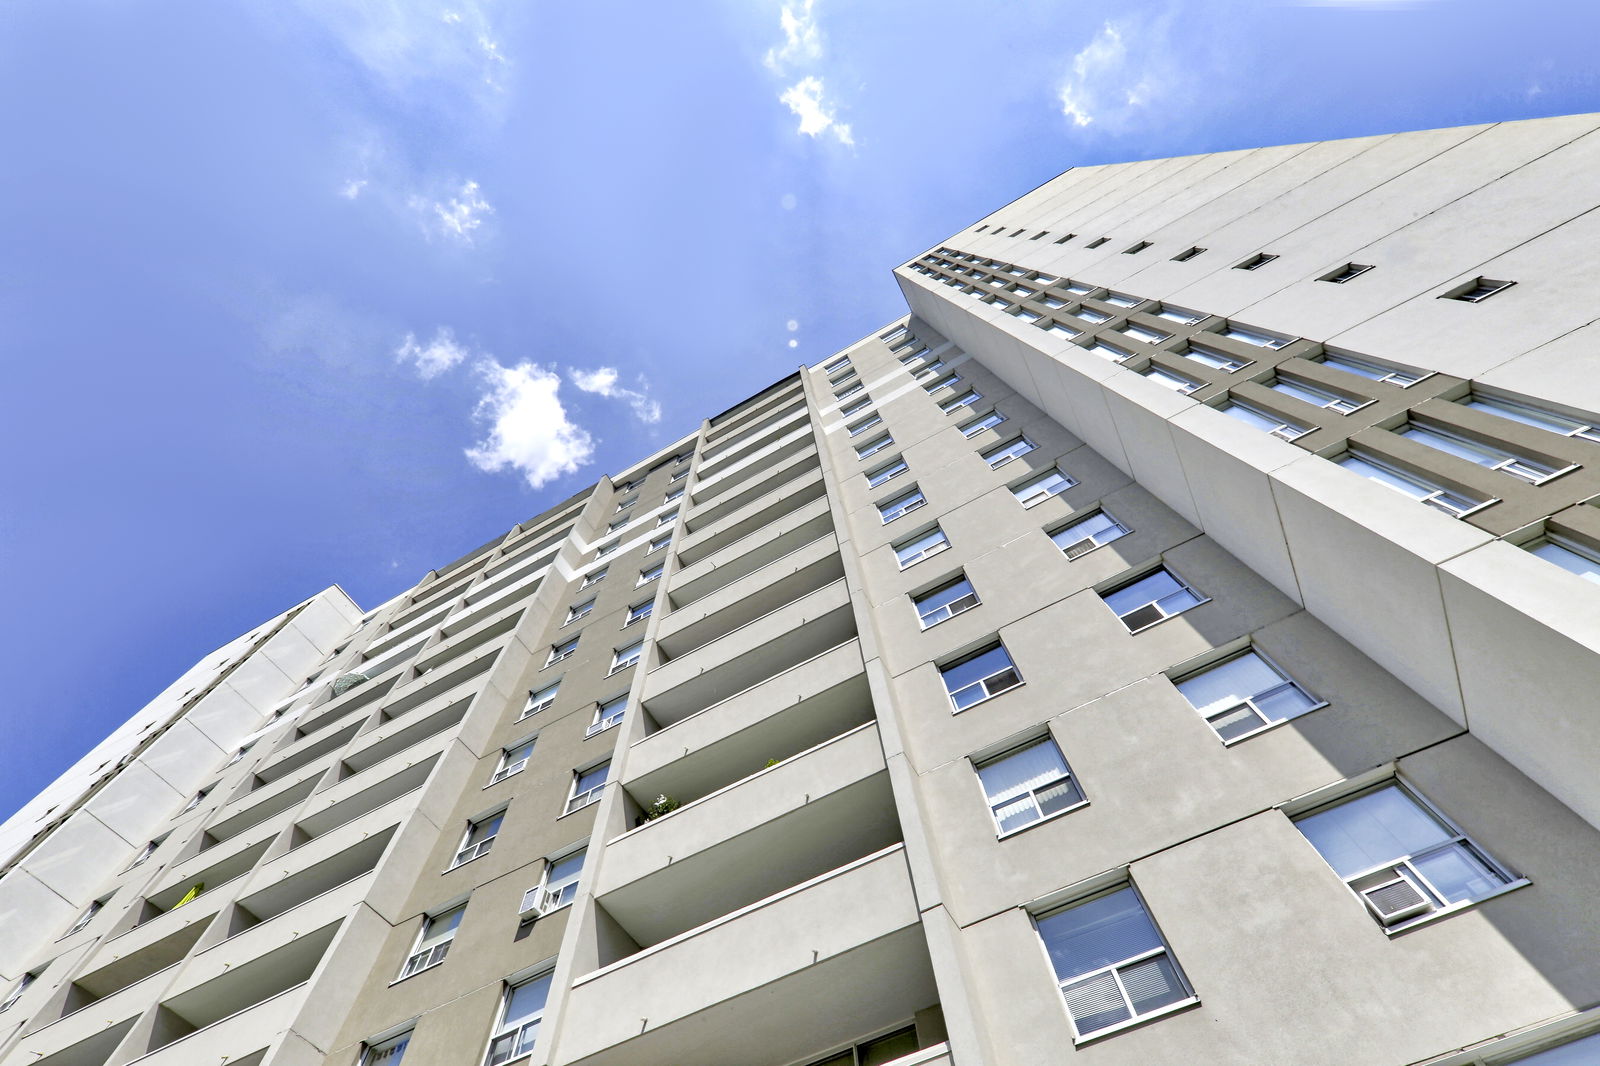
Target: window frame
{"x":499,"y":1031}
{"x":1162,"y":568}
{"x":999,"y":455}
{"x":650,"y":573}
{"x":956,"y":403}
{"x":943,"y":545}
{"x":434,"y":954}
{"x":579,"y":611}
{"x":482,"y":846}
{"x":873,"y":419}
{"x":620,"y":660}
{"x":979,"y":764}
{"x":535,"y":705}
{"x":604,"y":720}
{"x":557,"y":654}
{"x":923,"y":616}
{"x":589,"y":795}
{"x":1508,"y":410}
{"x":1433,"y":494}
{"x":640,"y":611}
{"x":1037,"y":478}
{"x":897,"y":507}
{"x":593,"y":577}
{"x":1286,"y":682}
{"x":884,"y":473}
{"x":1522,"y":467}
{"x":510,"y":764}
{"x":1099,"y":512}
{"x":982,"y":683}
{"x":1281,"y":428}
{"x":371,"y":1050}
{"x":873,"y":447}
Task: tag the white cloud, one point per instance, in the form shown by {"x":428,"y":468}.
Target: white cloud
{"x":405,"y":45}
{"x":804,"y":98}
{"x":527,"y":427}
{"x":456,"y":216}
{"x":1112,"y":84}
{"x":603,"y":382}
{"x":352,"y":188}
{"x":801,"y":38}
{"x":433,"y":358}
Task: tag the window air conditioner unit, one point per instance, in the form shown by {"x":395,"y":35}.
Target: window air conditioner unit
{"x":1082,"y":547}
{"x":1394,"y":899}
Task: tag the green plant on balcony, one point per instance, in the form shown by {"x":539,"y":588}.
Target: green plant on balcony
{"x":660,"y":805}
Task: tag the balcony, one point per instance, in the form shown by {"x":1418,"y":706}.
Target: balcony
{"x":366,"y":792}
{"x":461,"y":642}
{"x":124,"y":971}
{"x":785,"y":580}
{"x":768,"y":646}
{"x":302,"y":875}
{"x":182,"y":880}
{"x":296,"y":756}
{"x":55,"y":1045}
{"x":777,"y":827}
{"x":847,"y":945}
{"x":425,"y":687}
{"x":795,"y":448}
{"x":760,"y":547}
{"x":762,"y":511}
{"x":759,"y":420}
{"x":266,"y":803}
{"x":821,"y":698}
{"x":391,"y":738}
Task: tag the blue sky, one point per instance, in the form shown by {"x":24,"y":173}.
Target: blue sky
{"x":302,"y":292}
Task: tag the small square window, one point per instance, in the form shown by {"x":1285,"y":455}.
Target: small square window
{"x":557,"y":887}
{"x":1135,"y":249}
{"x":622,"y":658}
{"x":540,"y":699}
{"x":980,"y":676}
{"x":901,"y":505}
{"x":667,"y":518}
{"x":872,"y":447}
{"x":1079,"y":538}
{"x":623,"y":505}
{"x":1187,"y":254}
{"x":521,"y":1016}
{"x":1028,"y":783}
{"x":1244,"y":695}
{"x":1151,"y":599}
{"x":836,"y":364}
{"x":1255,"y":262}
{"x":981,"y":423}
{"x":887,"y":472}
{"x":562,"y":650}
{"x":1003,"y":453}
{"x":587,"y":786}
{"x":1042,"y":486}
{"x":606,"y":549}
{"x":1476,"y":290}
{"x":956,"y":403}
{"x":578,"y":610}
{"x":913,"y":551}
{"x":618,"y":524}
{"x":1098,"y":241}
{"x":865,"y":424}
{"x":1348,"y":272}
{"x":386,"y":1052}
{"x":513,"y":760}
{"x":675,"y":494}
{"x":594,"y":577}
{"x":649,"y":574}
{"x":679,"y":476}
{"x":433,"y":941}
{"x":855,"y":408}
{"x":478,"y":839}
{"x":659,"y":543}
{"x":607,"y":714}
{"x":945,"y":602}
{"x":640,"y":611}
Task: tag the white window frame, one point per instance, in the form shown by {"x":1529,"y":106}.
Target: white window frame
{"x":427,"y":957}
{"x":1318,"y":396}
{"x":579,"y":611}
{"x":539,"y":898}
{"x":639,"y":612}
{"x":1539,"y":418}
{"x":1165,"y":613}
{"x":604,"y":719}
{"x":557,"y":654}
{"x":1451,"y":502}
{"x":944,"y":543}
{"x":515,"y":1050}
{"x":509,"y":763}
{"x":1583,"y":553}
{"x":899,"y":506}
{"x":873,"y":419}
{"x":949,"y":381}
{"x":649,"y":574}
{"x":1094,"y":539}
{"x":855,"y":408}
{"x":623,"y":505}
{"x":1167,"y":379}
{"x":15,"y":994}
{"x":470,"y":849}
{"x":675,"y":494}
{"x":1004,"y":452}
{"x":1364,"y":368}
{"x":88,"y":915}
{"x":1402,"y":870}
{"x":945,"y":611}
{"x":1142,"y":334}
{"x":983,"y":684}
{"x":972,"y":427}
{"x":1254,"y":702}
{"x":667,"y":518}
{"x":1029,"y":493}
{"x":1491,"y":456}
{"x":882,"y":475}
{"x":540,"y":699}
{"x":621,"y":660}
{"x":1268,"y":423}
{"x":576,"y":800}
{"x":382,"y":1052}
{"x":593,"y":577}
{"x":1033,"y":791}
{"x":1216,"y":360}
{"x":873,"y":447}
{"x":658,"y":544}
{"x":956,"y":403}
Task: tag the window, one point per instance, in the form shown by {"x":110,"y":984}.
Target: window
{"x":512,"y":761}
{"x":981,"y":423}
{"x":980,"y":676}
{"x":1565,"y":425}
{"x":145,"y":853}
{"x":1579,"y":1052}
{"x":623,"y":505}
{"x":1214,"y":359}
{"x":956,"y":403}
{"x":837,"y":364}
{"x":879,"y":1051}
{"x":1052,"y":301}
{"x":639,"y":612}
{"x":948,"y":381}
{"x":1176,"y":382}
{"x":946,"y":601}
{"x":1494,"y":457}
{"x":855,"y":408}
{"x":520,"y":1014}
{"x":540,"y":699}
{"x":618,"y":524}
{"x":16,"y":993}
{"x":1400,"y":857}
{"x":928,"y":370}
{"x":606,"y":549}
{"x":659,"y":543}
{"x":1098,"y":241}
{"x":561,"y":651}
{"x":622,"y":658}
{"x":1089,"y":314}
{"x":1142,"y":333}
{"x":1570,"y":556}
{"x":594,"y":577}
{"x":901,"y":505}
{"x":872,"y":447}
{"x":675,"y":494}
{"x":1078,"y":287}
{"x":667,"y":518}
{"x":886,"y":473}
{"x":1187,"y":254}
{"x":86,"y":917}
{"x":865,"y":424}
{"x":1120,"y":300}
{"x":386,"y":1052}
{"x":1001,"y":454}
{"x":1065,"y":239}
{"x":1329,"y":401}
{"x":921,"y":546}
{"x":194,"y":801}
{"x":586,"y":786}
{"x":1086,"y":534}
{"x":607,"y":714}
{"x":649,"y":574}
{"x":1346,"y":273}
{"x":1177,"y":314}
{"x":1351,"y":365}
{"x":1151,"y":599}
{"x":1028,"y":783}
{"x":1267,"y":423}
{"x":1111,"y":962}
{"x":1457,"y":504}
{"x":1062,"y":327}
{"x":578,"y":610}
{"x":1135,"y":249}
{"x":238,"y":754}
{"x":679,"y":476}
{"x":433,"y":941}
{"x":1255,"y":262}
{"x":894,"y":334}
{"x":1245,"y":695}
{"x":558,"y":887}
{"x":1107,"y":351}
{"x":1041,"y":487}
{"x":850,"y":390}
{"x":478,"y":840}
{"x":1476,"y":290}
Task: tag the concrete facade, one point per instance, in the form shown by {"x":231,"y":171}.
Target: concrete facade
{"x":1061,"y":672}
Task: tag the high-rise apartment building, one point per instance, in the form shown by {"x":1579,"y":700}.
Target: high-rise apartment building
{"x":1176,"y":641}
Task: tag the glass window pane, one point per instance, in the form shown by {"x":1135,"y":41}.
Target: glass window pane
{"x":1097,"y":934}
{"x":1230,"y":683}
{"x":1152,"y":984}
{"x":1251,"y":417}
{"x":1022,"y":771}
{"x":1458,"y":873}
{"x":1568,"y":559}
{"x":1584,"y":1052}
{"x":526,"y":1001}
{"x":1145,"y":590}
{"x":1096,"y":1003}
{"x":1372,"y":830}
{"x":976,"y":668}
